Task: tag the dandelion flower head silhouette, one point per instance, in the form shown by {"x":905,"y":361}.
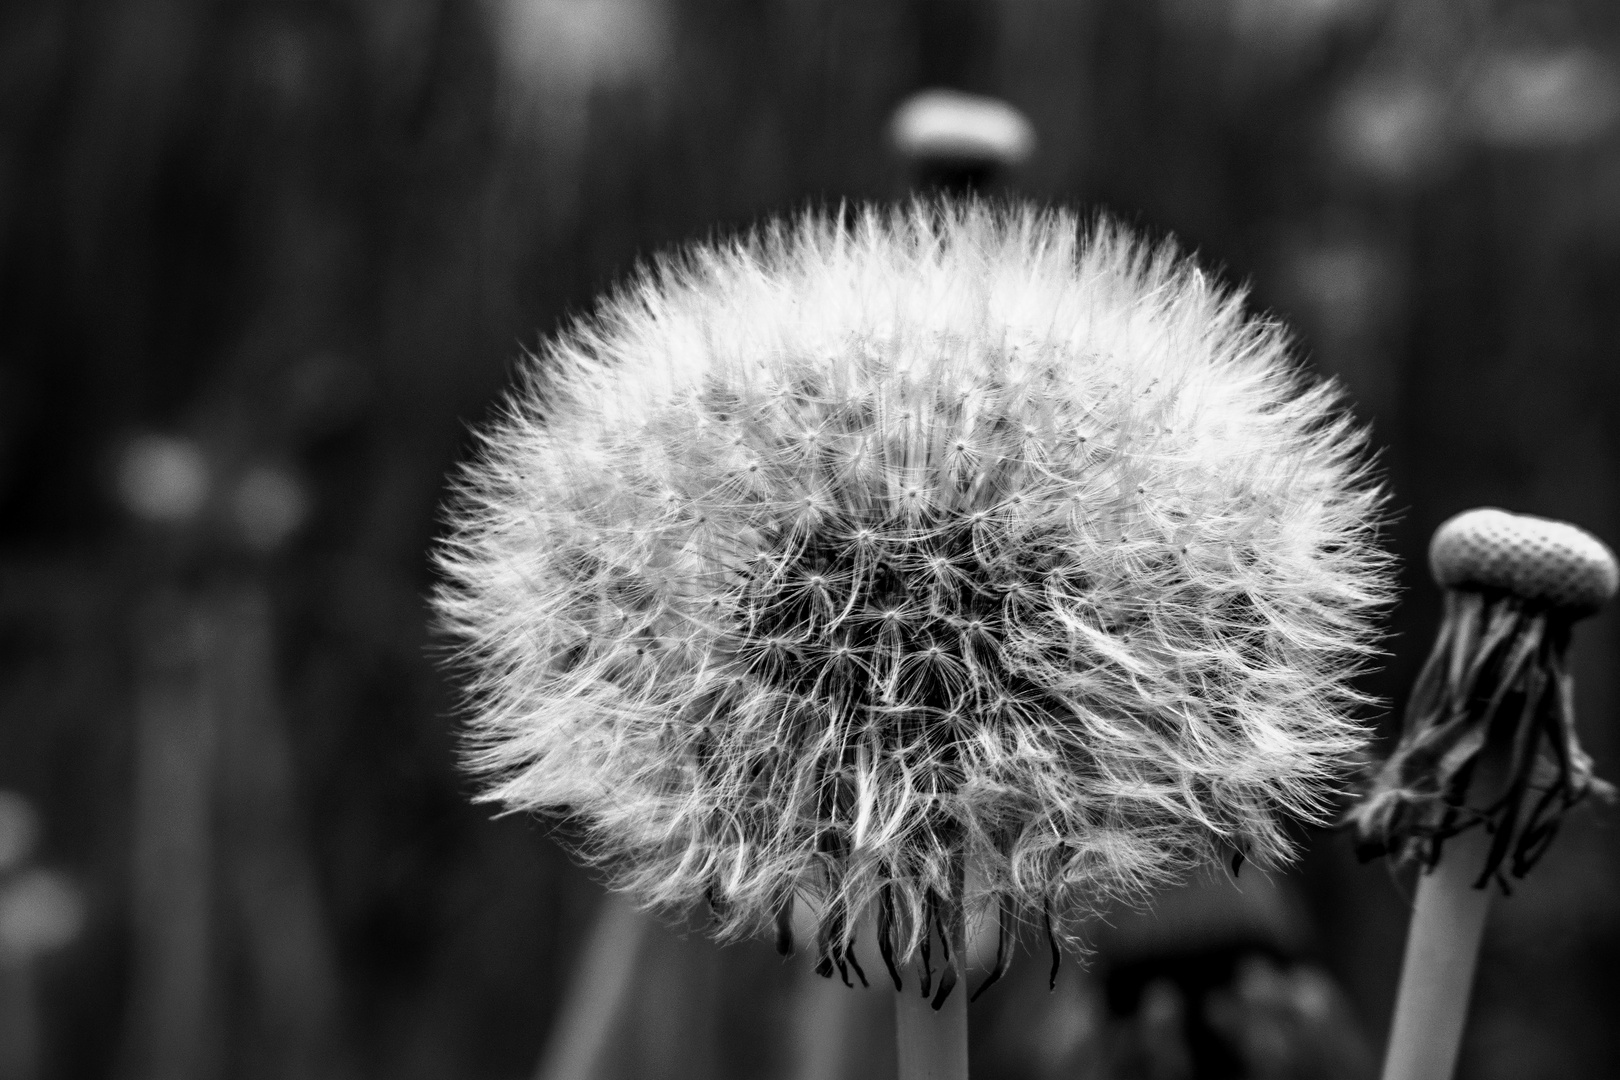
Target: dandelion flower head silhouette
{"x":835,"y":559}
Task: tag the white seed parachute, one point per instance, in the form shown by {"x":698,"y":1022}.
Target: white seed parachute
{"x":831,"y":560}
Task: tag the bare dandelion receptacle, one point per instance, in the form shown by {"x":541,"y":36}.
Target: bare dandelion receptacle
{"x":1489,"y":739}
{"x":832,"y":560}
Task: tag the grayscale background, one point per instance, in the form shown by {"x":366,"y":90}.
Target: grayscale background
{"x":264,"y":264}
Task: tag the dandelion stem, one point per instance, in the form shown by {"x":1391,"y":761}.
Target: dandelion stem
{"x":932,"y":1043}
{"x":931,"y":1021}
{"x":1442,"y":946}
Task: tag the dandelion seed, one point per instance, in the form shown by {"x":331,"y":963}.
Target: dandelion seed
{"x":976,"y":650}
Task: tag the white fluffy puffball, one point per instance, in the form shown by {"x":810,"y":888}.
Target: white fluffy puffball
{"x":829,"y":560}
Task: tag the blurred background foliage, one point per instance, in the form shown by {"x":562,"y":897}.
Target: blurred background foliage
{"x":263,"y":263}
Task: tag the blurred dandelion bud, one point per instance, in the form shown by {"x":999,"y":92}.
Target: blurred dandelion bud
{"x":1534,"y":98}
{"x":1392,"y":128}
{"x":268,"y":507}
{"x":832,"y":561}
{"x":19,"y":831}
{"x":163,"y":478}
{"x":40,"y":911}
{"x":951,"y":125}
{"x":1489,"y":738}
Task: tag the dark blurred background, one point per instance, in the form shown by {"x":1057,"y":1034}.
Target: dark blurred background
{"x":263,"y":264}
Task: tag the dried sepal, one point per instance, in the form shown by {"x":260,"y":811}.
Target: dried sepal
{"x":1488,"y":742}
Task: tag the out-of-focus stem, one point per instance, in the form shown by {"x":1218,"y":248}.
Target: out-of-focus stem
{"x":265,"y":857}
{"x":175,"y":734}
{"x":596,"y":994}
{"x":19,"y":1020}
{"x":1437,"y":976}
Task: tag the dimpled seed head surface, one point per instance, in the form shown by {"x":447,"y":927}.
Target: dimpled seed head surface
{"x":1534,"y":558}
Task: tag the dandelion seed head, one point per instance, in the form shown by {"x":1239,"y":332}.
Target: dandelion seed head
{"x":821,"y":561}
